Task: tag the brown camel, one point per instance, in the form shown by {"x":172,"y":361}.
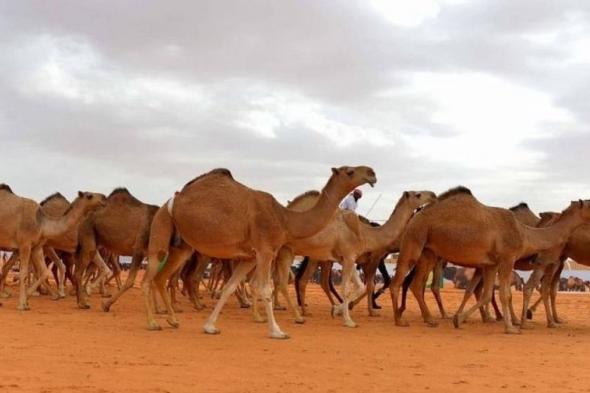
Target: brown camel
{"x":122,"y":227}
{"x":576,"y":248}
{"x":345,"y":239}
{"x":260,"y":226}
{"x":463,"y":231}
{"x":26,"y":228}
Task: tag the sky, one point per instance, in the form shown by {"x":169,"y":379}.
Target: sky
{"x":492,"y":95}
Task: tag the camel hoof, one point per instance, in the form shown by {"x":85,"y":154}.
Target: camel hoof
{"x":300,"y":320}
{"x":260,"y":320}
{"x":199,"y":307}
{"x":56,"y":297}
{"x":513,"y":330}
{"x":516,"y":322}
{"x":173,"y":323}
{"x":5,"y":295}
{"x":446,"y":317}
{"x":211,"y":330}
{"x":402,"y":323}
{"x":34,"y":294}
{"x":431,"y":323}
{"x":350,"y":324}
{"x":529,"y":314}
{"x":336,"y":310}
{"x":106,"y":306}
{"x":560,"y":321}
{"x":83,"y":306}
{"x":153,"y":326}
{"x":526,"y":326}
{"x":279,"y":336}
{"x":488,"y":320}
{"x":88,"y":291}
{"x":106,"y":295}
{"x":178,"y":310}
{"x":551,"y":325}
{"x":245,"y":305}
{"x":280,"y":308}
{"x":62,"y":295}
{"x":23,"y":307}
{"x":161,"y":312}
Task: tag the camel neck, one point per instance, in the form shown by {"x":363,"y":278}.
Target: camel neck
{"x":308,"y":223}
{"x":539,"y":239}
{"x":389,"y":232}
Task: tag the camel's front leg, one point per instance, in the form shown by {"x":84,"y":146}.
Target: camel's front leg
{"x":348,"y":272}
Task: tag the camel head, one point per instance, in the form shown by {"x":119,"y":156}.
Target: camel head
{"x":418,"y":199}
{"x":351,"y":177}
{"x":90,"y":200}
{"x":548,"y":218}
{"x":579,"y":207}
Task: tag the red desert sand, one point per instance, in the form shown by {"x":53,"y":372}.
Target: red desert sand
{"x":56,"y":347}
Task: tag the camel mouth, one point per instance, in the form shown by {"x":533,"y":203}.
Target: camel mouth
{"x":372,"y":183}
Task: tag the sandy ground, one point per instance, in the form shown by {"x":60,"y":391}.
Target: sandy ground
{"x":57,"y":348}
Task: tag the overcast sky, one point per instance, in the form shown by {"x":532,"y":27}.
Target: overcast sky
{"x":494,"y":95}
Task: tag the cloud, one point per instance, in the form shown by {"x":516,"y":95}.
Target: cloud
{"x":431,"y":94}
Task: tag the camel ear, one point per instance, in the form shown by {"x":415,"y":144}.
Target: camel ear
{"x":80,"y":194}
{"x":350,"y":172}
{"x":335,"y":171}
{"x":406,"y":194}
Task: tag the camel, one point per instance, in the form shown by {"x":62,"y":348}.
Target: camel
{"x":260,"y":226}
{"x":577,"y":248}
{"x":345,"y":239}
{"x":26,"y":228}
{"x":464,"y":231}
{"x":122,"y":227}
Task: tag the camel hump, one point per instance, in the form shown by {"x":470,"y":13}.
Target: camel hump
{"x":6,"y":187}
{"x":521,"y":205}
{"x":304,"y":201}
{"x":122,"y":194}
{"x":53,"y":196}
{"x":352,"y":221}
{"x":459,"y":190}
{"x":217,"y":171}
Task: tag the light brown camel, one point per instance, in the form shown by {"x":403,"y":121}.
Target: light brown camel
{"x":345,"y":239}
{"x":463,"y":231}
{"x":577,"y":248}
{"x":25,"y":227}
{"x":122,"y":227}
{"x":260,"y":226}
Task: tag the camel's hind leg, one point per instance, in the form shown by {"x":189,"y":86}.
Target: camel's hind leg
{"x":25,"y":256}
{"x":242,"y":269}
{"x":423,"y":268}
{"x":5,"y":270}
{"x":61,"y":270}
{"x":301,"y":281}
{"x":135,"y":264}
{"x":176,"y":259}
{"x":437,"y":277}
{"x":38,"y":259}
{"x":505,"y":273}
{"x":527,"y":292}
{"x":348,"y":270}
{"x":489,"y":273}
{"x":283,"y":267}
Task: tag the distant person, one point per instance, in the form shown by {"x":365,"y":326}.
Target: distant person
{"x":351,"y":201}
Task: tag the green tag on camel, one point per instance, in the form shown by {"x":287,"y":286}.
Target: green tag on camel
{"x":162,"y":263}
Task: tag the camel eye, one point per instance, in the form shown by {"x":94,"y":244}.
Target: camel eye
{"x":88,"y":196}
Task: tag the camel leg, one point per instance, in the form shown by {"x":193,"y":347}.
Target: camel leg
{"x":326,"y":280}
{"x":103,"y":273}
{"x":25,"y":256}
{"x":436,"y":279}
{"x":5,"y":270}
{"x":298,"y":274}
{"x":425,"y":264}
{"x":405,"y":286}
{"x":38,"y":259}
{"x":242,"y":269}
{"x":527,"y":292}
{"x":546,"y":286}
{"x":301,"y":284}
{"x":474,"y":283}
{"x":264,"y":289}
{"x":505,"y":274}
{"x":489,"y":273}
{"x":283,"y":267}
{"x":370,"y":278}
{"x":348,"y":271}
{"x":404,"y":263}
{"x":61,"y":270}
{"x":135,"y":264}
{"x":176,"y":259}
{"x":386,"y":282}
{"x":553,"y":294}
{"x":195,"y":281}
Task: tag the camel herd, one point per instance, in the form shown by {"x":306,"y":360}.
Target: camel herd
{"x":246,"y":236}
